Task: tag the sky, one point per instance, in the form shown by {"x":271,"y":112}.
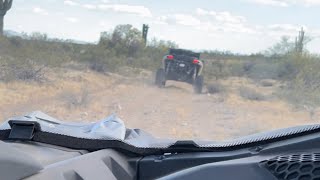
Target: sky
{"x":241,"y":26}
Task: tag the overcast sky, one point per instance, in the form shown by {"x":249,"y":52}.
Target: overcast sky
{"x":244,"y":26}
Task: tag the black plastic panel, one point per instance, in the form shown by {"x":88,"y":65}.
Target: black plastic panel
{"x":295,"y":166}
{"x":184,"y":52}
{"x":293,"y":158}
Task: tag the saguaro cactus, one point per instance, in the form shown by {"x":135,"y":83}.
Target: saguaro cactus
{"x":300,"y":40}
{"x":5,"y":5}
{"x":145,"y":29}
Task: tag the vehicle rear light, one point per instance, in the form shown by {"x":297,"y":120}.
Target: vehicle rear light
{"x":195,"y":61}
{"x":170,"y":57}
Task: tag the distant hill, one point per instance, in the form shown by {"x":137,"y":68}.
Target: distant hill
{"x":11,"y":33}
{"x":78,"y":41}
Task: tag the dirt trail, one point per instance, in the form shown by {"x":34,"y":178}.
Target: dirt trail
{"x":174,"y":111}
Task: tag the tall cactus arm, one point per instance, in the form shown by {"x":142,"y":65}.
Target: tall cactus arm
{"x":7,"y":4}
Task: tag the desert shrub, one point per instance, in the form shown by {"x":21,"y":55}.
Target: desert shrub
{"x":247,"y":66}
{"x":216,"y":69}
{"x":236,"y":69}
{"x":251,"y":94}
{"x":289,"y":67}
{"x":12,"y":70}
{"x":256,"y":69}
{"x":97,"y":66}
{"x":76,"y":99}
{"x":266,"y":83}
{"x":41,"y":51}
{"x":303,"y":86}
{"x":214,"y":88}
{"x":121,"y":47}
{"x":101,"y":60}
{"x":264,"y":70}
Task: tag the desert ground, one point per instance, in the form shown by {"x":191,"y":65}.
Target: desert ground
{"x":171,"y":112}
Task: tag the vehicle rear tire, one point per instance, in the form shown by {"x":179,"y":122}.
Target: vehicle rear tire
{"x":198,"y":84}
{"x":160,"y":80}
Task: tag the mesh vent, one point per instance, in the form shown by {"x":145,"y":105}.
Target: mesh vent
{"x":295,"y":166}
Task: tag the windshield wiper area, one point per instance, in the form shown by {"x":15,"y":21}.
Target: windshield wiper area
{"x":112,"y":133}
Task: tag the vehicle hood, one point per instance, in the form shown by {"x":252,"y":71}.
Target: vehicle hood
{"x":113,"y":128}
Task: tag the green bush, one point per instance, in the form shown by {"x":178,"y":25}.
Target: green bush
{"x":303,"y":85}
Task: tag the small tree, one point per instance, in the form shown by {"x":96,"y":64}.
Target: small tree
{"x":125,"y":40}
{"x":5,"y":5}
{"x":284,"y":47}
